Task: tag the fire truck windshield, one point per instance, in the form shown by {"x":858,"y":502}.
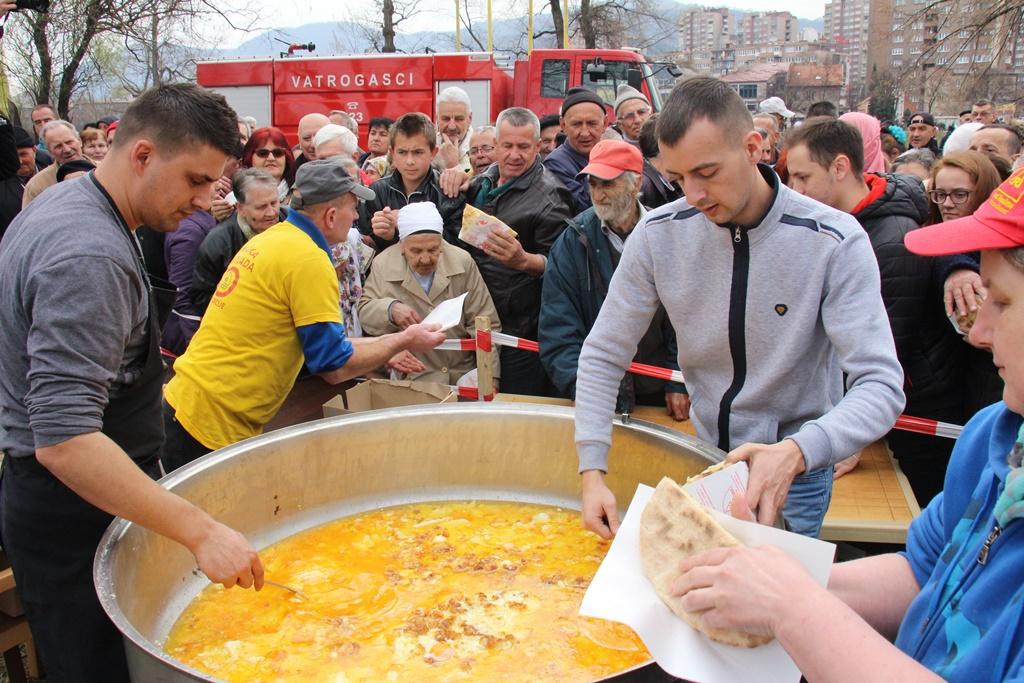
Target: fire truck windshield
{"x":605,"y":76}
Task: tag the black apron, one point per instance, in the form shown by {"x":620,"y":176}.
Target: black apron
{"x":51,"y":534}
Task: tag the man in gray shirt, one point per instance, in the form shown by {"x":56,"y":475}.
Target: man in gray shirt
{"x":81,"y":376}
{"x":772,"y":295}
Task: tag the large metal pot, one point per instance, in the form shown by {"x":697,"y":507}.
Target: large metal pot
{"x":275,"y":485}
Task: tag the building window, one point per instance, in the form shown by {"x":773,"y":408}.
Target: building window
{"x":898,"y":38}
{"x":940,"y":61}
{"x":897,"y":62}
{"x":554,"y":79}
{"x":963,"y":60}
{"x":897,"y":50}
{"x":747,"y":92}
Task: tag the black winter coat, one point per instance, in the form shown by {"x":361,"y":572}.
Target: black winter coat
{"x":538,"y":207}
{"x":215,"y":253}
{"x":390,"y":192}
{"x":929,"y":350}
{"x":654,"y":191}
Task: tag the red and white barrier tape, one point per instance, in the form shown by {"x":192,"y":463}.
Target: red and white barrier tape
{"x":922,"y":425}
{"x":906,"y":423}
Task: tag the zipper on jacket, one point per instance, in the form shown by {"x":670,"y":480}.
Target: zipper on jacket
{"x":992,"y":536}
{"x":737,"y":330}
{"x":929,"y":625}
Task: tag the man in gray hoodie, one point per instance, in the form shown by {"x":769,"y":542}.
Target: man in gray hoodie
{"x":773,"y":297}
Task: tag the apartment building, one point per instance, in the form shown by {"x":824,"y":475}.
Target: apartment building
{"x":942,"y":57}
{"x":718,"y":41}
{"x":848,"y":28}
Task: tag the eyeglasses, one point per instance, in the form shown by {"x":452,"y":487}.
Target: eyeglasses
{"x":486,"y":149}
{"x":958,"y":196}
{"x":644,"y":111}
{"x":263,"y":152}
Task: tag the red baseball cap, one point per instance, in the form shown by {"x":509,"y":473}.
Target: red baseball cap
{"x":997,"y":224}
{"x":609,"y":158}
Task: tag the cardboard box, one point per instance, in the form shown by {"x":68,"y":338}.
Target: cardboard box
{"x":375,"y":394}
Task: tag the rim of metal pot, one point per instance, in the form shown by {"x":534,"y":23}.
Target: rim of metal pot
{"x":102,"y":574}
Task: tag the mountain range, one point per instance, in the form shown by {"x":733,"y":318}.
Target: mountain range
{"x":347,"y":37}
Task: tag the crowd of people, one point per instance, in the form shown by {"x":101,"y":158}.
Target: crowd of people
{"x":781,"y":264}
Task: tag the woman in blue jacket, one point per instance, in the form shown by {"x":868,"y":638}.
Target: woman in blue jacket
{"x":952,"y":605}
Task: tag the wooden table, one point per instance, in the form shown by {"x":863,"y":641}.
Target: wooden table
{"x":872,"y":504}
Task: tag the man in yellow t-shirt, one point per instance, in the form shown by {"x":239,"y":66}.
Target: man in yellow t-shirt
{"x":275,"y":308}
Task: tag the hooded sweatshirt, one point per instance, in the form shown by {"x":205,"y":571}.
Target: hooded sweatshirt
{"x":767,"y":319}
{"x":967,"y":623}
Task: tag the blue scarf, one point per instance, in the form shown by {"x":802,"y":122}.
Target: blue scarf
{"x":1010,"y":504}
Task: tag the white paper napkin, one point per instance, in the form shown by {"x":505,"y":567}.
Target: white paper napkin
{"x":448,"y":313}
{"x":620,"y":592}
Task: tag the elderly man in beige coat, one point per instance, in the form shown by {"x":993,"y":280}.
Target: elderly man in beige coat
{"x":409,"y":279}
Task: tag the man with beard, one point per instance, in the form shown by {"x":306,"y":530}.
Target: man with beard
{"x":580,"y":266}
{"x":922,"y":132}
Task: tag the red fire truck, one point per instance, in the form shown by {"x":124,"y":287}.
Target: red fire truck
{"x":279,"y":92}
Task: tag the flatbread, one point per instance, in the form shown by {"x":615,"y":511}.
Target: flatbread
{"x":675,"y":526}
{"x":706,"y":472}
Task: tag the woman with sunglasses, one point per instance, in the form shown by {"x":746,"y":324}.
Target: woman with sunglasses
{"x":960,"y":183}
{"x":268,"y":150}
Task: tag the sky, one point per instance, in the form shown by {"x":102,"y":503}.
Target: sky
{"x":437,"y":14}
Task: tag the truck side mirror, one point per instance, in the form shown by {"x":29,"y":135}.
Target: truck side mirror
{"x":634,"y":78}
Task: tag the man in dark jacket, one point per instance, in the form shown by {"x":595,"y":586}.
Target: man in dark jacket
{"x":580,"y":266}
{"x":656,"y":189}
{"x":522,"y":193}
{"x":584,"y":120}
{"x":825,"y":159}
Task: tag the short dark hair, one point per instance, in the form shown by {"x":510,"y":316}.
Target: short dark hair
{"x":823,"y":108}
{"x":983,"y":103}
{"x":549,"y":120}
{"x":414,"y":123}
{"x":649,"y":137}
{"x":180,"y":115}
{"x":965,"y":111}
{"x":380,"y":121}
{"x":1015,"y":135}
{"x":826,"y":139}
{"x":703,"y":97}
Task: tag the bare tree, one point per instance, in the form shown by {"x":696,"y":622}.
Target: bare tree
{"x":53,"y":54}
{"x":956,"y":30}
{"x":604,"y":23}
{"x":381,"y":19}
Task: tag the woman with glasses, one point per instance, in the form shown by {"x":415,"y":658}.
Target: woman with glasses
{"x":960,"y":183}
{"x":268,"y":150}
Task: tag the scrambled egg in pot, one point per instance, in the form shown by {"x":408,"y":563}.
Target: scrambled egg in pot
{"x":459,"y":591}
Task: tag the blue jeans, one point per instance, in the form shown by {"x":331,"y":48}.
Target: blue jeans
{"x":808,"y":501}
